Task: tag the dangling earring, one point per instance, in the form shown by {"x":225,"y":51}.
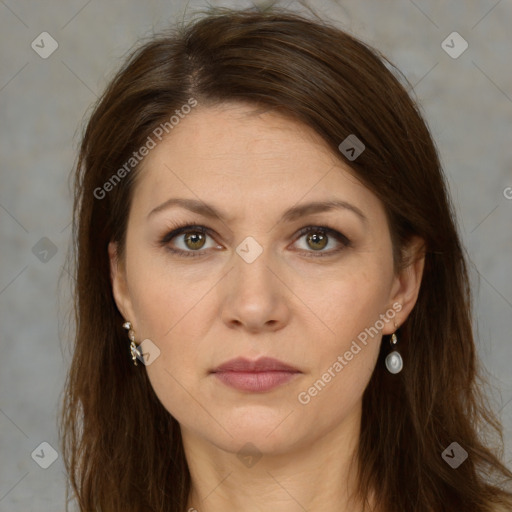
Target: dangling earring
{"x":134,"y":351}
{"x":394,"y":361}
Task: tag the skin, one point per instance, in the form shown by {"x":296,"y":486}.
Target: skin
{"x":303,"y":310}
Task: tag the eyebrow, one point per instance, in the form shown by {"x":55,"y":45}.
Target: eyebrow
{"x":289,"y":215}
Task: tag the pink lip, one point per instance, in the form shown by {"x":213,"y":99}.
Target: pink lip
{"x":261,"y":375}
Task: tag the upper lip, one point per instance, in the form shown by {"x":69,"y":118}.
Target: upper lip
{"x":263,"y":364}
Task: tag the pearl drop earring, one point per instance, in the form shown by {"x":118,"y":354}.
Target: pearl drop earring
{"x":394,"y":361}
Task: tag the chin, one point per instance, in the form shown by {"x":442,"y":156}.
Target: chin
{"x":264,"y":429}
{"x":254,"y":441}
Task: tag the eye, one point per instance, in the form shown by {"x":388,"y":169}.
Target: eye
{"x":319,"y":237}
{"x":191,"y":240}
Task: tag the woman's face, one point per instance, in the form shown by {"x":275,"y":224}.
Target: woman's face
{"x":253,"y":285}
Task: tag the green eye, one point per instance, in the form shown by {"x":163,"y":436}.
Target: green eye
{"x":193,"y":240}
{"x":318,"y":239}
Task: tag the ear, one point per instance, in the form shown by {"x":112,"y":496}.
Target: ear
{"x":406,"y":284}
{"x":119,"y":284}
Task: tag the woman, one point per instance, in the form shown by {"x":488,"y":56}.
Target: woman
{"x":272,"y":301}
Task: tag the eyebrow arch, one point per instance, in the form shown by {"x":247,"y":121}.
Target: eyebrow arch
{"x":289,"y":215}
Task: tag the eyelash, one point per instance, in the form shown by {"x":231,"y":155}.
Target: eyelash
{"x":178,"y":229}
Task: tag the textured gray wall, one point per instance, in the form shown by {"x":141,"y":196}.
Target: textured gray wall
{"x":467,"y":102}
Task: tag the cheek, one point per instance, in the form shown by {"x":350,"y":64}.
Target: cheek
{"x":349,"y":304}
{"x":170,"y":311}
{"x":344,"y":358}
{"x":352,"y":309}
{"x":163,"y":299}
{"x":174,"y":389}
{"x":335,"y":393}
{"x":166,"y":310}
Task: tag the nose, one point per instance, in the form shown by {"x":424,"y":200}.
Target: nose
{"x":255,"y":296}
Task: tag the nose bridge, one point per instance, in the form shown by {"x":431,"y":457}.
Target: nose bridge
{"x":252,"y":275}
{"x":254,"y":295}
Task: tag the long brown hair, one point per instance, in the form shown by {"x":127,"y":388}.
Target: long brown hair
{"x":122,"y":449}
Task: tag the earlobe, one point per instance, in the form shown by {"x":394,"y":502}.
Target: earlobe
{"x":408,"y":281}
{"x":119,"y":285}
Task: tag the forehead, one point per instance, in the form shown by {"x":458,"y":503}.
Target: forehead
{"x":241,"y":132}
{"x":238,"y":154}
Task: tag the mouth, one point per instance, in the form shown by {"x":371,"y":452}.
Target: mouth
{"x":257,"y":376}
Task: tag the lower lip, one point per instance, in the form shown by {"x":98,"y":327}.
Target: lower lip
{"x":255,"y":381}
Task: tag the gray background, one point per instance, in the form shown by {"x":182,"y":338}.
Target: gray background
{"x":467,"y":102}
